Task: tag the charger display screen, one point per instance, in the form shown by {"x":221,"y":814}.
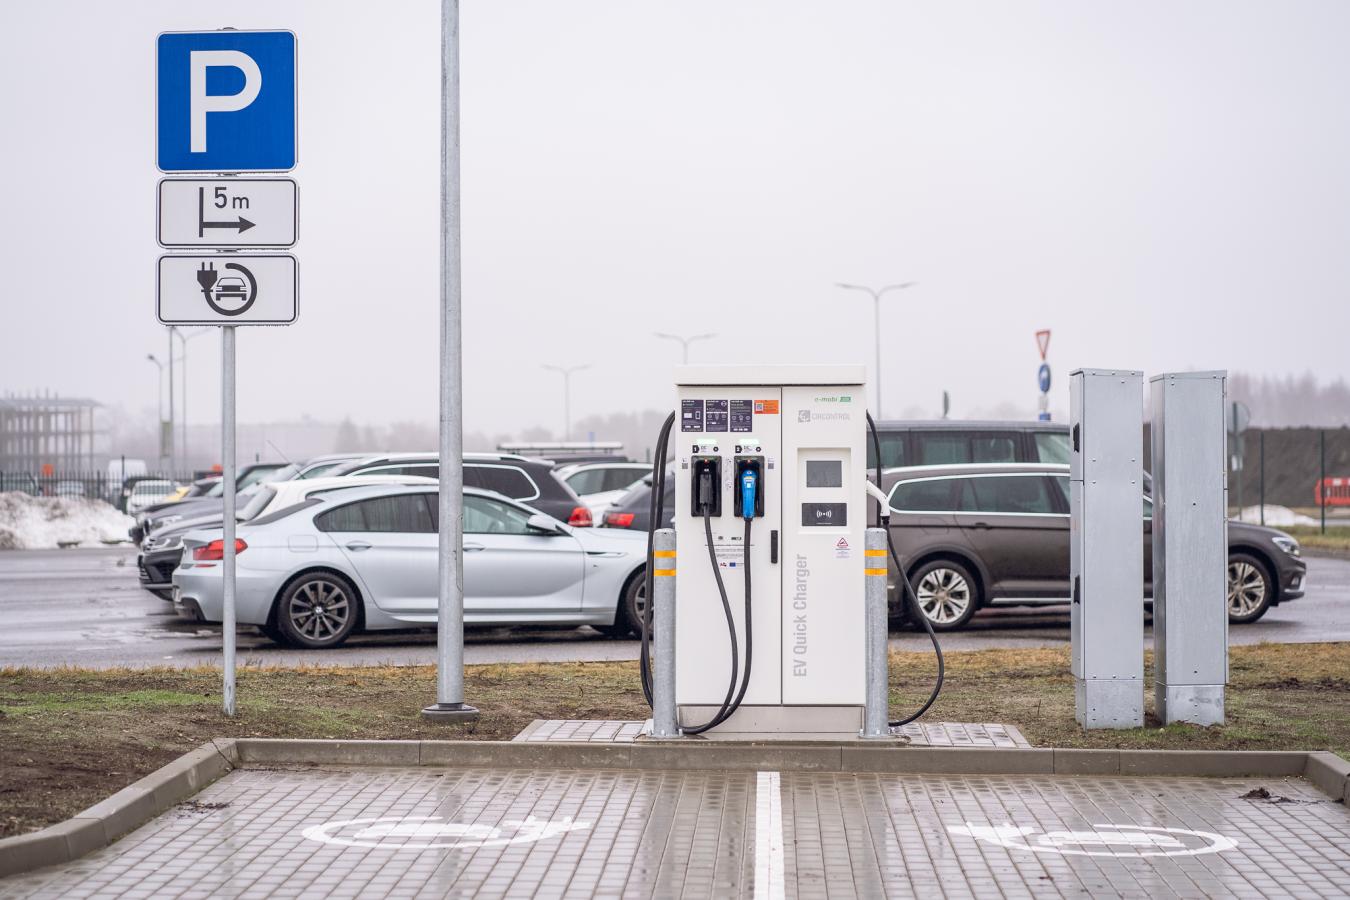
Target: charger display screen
{"x":824,"y":473}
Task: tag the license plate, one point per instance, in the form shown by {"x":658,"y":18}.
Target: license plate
{"x":177,"y":594}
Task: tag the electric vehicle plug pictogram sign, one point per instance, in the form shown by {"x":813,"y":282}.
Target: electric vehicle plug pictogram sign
{"x":229,"y":295}
{"x":233,"y":289}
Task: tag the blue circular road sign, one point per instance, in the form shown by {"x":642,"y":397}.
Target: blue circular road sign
{"x":1043,"y":377}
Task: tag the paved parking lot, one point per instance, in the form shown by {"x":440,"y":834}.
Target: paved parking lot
{"x":85,"y":607}
{"x":288,"y":832}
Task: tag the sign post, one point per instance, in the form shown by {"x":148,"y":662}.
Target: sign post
{"x":450,"y":707}
{"x":1043,"y":376}
{"x":225,"y":104}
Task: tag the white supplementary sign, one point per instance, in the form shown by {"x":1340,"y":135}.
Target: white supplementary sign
{"x":229,"y":289}
{"x":435,"y":833}
{"x":225,"y":213}
{"x":1120,"y":841}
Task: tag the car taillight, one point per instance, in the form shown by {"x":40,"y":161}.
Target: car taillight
{"x":216,"y":550}
{"x":619,"y":520}
{"x":580,"y":518}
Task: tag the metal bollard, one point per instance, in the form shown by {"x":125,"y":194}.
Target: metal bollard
{"x":876,"y":711}
{"x":664,"y":722}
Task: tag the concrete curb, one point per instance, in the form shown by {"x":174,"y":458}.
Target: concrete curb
{"x":138,"y":803}
{"x":124,"y":811}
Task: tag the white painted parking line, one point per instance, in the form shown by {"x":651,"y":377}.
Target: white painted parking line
{"x":769,"y":882}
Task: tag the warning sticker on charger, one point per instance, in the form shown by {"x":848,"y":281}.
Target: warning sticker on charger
{"x":730,"y":554}
{"x":766,"y":407}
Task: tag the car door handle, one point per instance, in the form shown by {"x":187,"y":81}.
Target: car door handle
{"x":473,"y":548}
{"x":982,"y":526}
{"x":358,"y":545}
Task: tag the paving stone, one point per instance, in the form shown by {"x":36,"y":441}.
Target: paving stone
{"x":432,"y":831}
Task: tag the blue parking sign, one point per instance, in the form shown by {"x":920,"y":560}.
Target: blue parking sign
{"x":226,"y":101}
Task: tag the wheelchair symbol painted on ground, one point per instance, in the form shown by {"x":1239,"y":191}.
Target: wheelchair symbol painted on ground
{"x":436,"y":833}
{"x":1120,"y":841}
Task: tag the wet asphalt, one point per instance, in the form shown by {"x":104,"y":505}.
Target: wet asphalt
{"x":84,"y":607}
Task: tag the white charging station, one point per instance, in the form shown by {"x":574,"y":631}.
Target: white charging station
{"x":798,"y":435}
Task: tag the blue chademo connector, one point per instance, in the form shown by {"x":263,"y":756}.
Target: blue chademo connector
{"x":749,"y":485}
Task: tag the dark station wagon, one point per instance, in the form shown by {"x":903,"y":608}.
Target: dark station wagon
{"x":982,"y":535}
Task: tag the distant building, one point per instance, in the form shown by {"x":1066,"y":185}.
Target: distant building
{"x":47,"y":430}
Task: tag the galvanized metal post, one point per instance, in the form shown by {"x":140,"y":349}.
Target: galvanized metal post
{"x":665,"y":723}
{"x":1261,"y":445}
{"x":1106,"y":553}
{"x":450,"y":705}
{"x":1190,"y":547}
{"x":876,"y":710}
{"x":227,"y":495}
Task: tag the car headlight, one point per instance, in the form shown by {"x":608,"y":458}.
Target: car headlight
{"x":1287,"y":544}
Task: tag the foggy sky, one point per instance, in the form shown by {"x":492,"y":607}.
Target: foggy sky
{"x":1164,"y":185}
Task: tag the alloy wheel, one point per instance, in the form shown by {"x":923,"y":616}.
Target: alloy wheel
{"x":944,"y":595}
{"x":319,"y":610}
{"x":1246,"y":589}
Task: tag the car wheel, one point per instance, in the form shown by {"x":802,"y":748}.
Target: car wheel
{"x":947,"y":593}
{"x":628,"y":614}
{"x":1249,"y":589}
{"x":317,"y":610}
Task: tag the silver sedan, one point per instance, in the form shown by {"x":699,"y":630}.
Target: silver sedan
{"x":364,"y":559}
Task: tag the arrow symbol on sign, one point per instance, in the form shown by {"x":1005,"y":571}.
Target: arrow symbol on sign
{"x":243,"y":224}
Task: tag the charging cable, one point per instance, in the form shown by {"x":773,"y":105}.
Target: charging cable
{"x":884,"y":521}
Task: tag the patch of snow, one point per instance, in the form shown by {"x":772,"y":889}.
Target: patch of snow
{"x":37,"y":523}
{"x":1276,"y":516}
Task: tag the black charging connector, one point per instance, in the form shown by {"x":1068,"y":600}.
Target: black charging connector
{"x":706,"y":496}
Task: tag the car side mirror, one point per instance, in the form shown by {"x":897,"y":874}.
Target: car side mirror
{"x":545,"y":524}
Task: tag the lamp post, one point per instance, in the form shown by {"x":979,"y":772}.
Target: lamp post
{"x":567,"y":395}
{"x":876,"y":295}
{"x":684,"y":341}
{"x":159,"y":404}
{"x":183,"y":338}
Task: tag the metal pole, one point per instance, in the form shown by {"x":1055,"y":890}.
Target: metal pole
{"x":173,"y":462}
{"x":450,"y":705}
{"x":1261,"y":445}
{"x":876,"y":708}
{"x":1322,"y":479}
{"x":228,"y":473}
{"x":876,"y":328}
{"x":567,"y":404}
{"x":665,"y":721}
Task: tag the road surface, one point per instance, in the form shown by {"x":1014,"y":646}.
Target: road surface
{"x":84,"y":607}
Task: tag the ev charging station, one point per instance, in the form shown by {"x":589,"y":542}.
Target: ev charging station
{"x":770,"y":493}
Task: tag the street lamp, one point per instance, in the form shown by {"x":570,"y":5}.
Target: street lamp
{"x":159,"y":400}
{"x":183,"y":338}
{"x":567,"y":395}
{"x":684,"y":341}
{"x":876,"y":294}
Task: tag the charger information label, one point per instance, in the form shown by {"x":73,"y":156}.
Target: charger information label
{"x":742,"y":415}
{"x":715,"y":417}
{"x":691,"y":415}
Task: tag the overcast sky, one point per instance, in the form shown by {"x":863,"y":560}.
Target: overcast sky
{"x":1165,"y":185}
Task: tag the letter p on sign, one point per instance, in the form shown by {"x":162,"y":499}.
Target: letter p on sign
{"x":226,"y":101}
{"x":201,"y":102}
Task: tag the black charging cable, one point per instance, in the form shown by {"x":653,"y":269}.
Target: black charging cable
{"x":884,"y":522}
{"x":735,"y":695}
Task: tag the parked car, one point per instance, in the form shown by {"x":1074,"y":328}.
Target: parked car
{"x":962,"y":442}
{"x":69,"y":489}
{"x":528,"y":480}
{"x":162,"y":551}
{"x":324,"y":465}
{"x":984,"y":535}
{"x":633,"y":509}
{"x":154,"y":517}
{"x":365,"y":559}
{"x":146,"y":493}
{"x":600,"y":484}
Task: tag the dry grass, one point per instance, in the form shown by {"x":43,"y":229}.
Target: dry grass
{"x":69,"y":737}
